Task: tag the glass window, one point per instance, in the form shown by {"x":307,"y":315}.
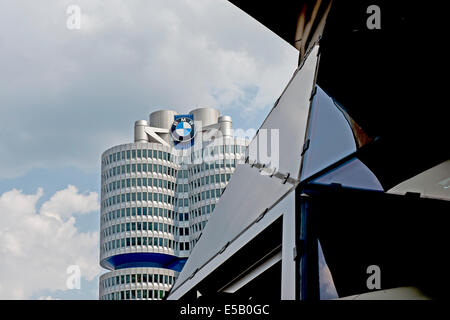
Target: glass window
{"x":326,"y":120}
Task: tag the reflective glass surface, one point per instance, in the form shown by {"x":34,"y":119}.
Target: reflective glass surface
{"x":326,"y":284}
{"x":354,"y":174}
{"x":329,"y":133}
{"x":277,"y":145}
{"x":286,"y":123}
{"x":246,"y":197}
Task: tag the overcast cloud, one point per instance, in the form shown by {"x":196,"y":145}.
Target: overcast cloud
{"x":37,"y":245}
{"x":67,"y":95}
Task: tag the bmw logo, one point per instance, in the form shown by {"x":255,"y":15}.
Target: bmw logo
{"x":183,"y":128}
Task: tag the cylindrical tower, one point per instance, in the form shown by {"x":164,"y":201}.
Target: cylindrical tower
{"x":137,"y":211}
{"x":154,"y":206}
{"x":226,"y":126}
{"x":162,"y":119}
{"x":139,"y":131}
{"x":207,"y":116}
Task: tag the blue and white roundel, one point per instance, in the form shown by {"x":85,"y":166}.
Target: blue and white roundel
{"x":183,"y":128}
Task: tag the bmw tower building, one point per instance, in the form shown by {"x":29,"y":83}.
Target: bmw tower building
{"x":157,"y":194}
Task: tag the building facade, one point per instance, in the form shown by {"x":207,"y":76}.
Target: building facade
{"x":357,"y":205}
{"x":157,"y":195}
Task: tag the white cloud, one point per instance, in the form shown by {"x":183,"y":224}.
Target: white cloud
{"x":37,"y":245}
{"x":65,"y":203}
{"x":65,"y":96}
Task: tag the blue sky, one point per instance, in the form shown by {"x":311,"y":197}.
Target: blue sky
{"x":67,"y":95}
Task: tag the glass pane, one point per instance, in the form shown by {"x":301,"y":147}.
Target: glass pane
{"x":353,"y":174}
{"x":240,"y":205}
{"x":279,"y":142}
{"x":329,"y":133}
{"x":326,"y":284}
{"x":360,"y":230}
